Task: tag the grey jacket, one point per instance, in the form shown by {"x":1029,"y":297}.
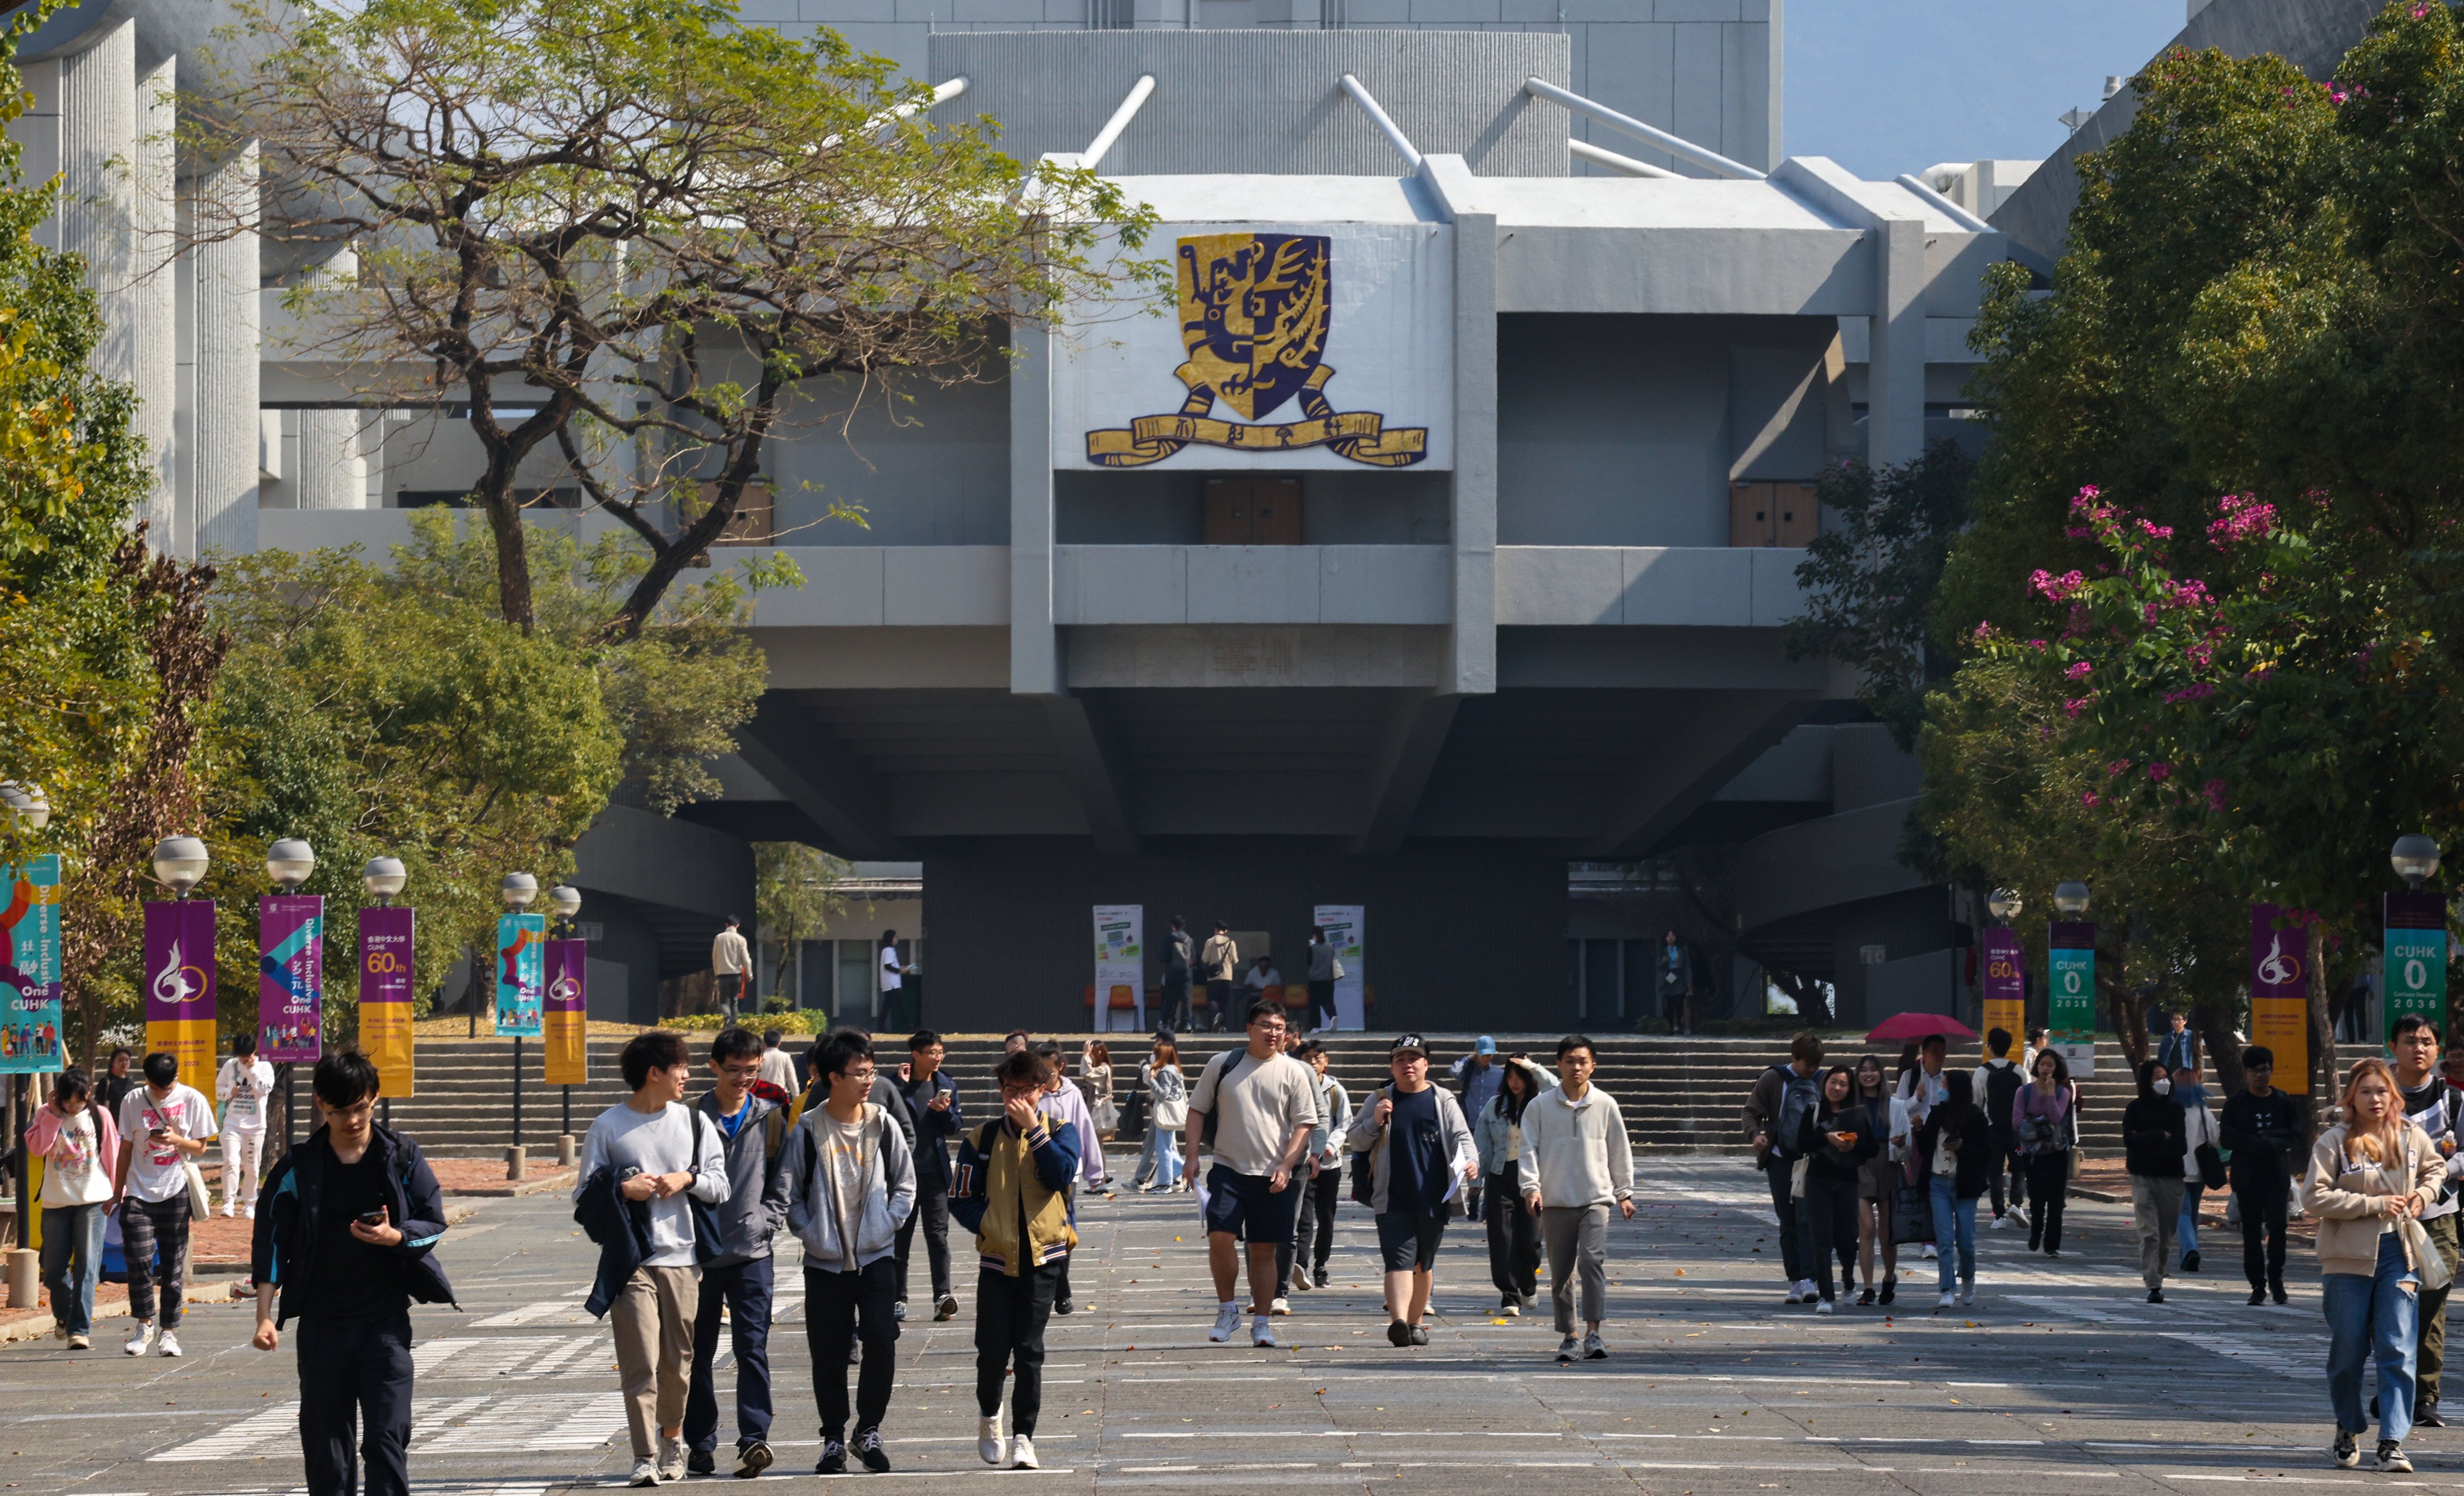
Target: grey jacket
{"x":1366,"y":1136}
{"x":887,"y":1194}
{"x":756,"y":1206}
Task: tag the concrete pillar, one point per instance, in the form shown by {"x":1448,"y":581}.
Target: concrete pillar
{"x":154,"y":301}
{"x":1034,"y":643}
{"x":1895,"y":388}
{"x":99,"y":120}
{"x":1472,"y":659}
{"x":333,"y":467}
{"x":229,"y":333}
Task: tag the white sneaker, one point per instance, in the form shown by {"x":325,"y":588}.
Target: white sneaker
{"x":1949,"y":1301}
{"x":646,"y":1472}
{"x":230,"y":1209}
{"x":1931,"y":1252}
{"x":247,"y":1213}
{"x":1227,"y":1323}
{"x":167,"y":1343}
{"x":1262,"y":1332}
{"x":142,"y":1341}
{"x":81,"y":1342}
{"x":990,"y":1447}
{"x":671,"y":1459}
{"x":1280,"y":1306}
{"x":1967,"y":1293}
{"x":60,"y":1332}
{"x":1022,"y":1454}
{"x":1823,"y":1308}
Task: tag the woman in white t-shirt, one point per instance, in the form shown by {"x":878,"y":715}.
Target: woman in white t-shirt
{"x":80,"y":1146}
{"x":243,"y":1086}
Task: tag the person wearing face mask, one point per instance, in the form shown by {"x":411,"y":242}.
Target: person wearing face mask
{"x":2154,"y":1139}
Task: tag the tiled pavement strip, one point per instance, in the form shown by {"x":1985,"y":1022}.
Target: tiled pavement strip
{"x":2060,"y":1374}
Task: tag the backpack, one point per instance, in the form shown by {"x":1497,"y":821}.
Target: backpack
{"x":1175,"y":954}
{"x":1364,"y":1164}
{"x":1217,"y":1065}
{"x":1798,"y":1097}
{"x":2002,"y":1083}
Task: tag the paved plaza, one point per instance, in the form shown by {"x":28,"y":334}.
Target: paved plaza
{"x":2060,"y":1374}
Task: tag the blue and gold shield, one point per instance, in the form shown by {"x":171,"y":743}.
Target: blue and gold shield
{"x":1253,"y":315}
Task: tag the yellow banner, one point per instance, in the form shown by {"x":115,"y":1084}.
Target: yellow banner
{"x":1361,"y":435}
{"x":191,"y":1041}
{"x":567,"y":1040}
{"x":2009,"y":1014}
{"x":2282,"y":1025}
{"x":385,"y":1038}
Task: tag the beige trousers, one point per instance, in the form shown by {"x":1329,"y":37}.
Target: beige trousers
{"x":652,"y":1318}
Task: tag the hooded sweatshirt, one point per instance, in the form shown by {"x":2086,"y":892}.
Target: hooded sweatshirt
{"x":838,"y":1218}
{"x":2153,"y":1133}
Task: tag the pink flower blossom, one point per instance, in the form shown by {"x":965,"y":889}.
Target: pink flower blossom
{"x":2160,"y":772}
{"x":2076,"y":705}
{"x":2215,"y":789}
{"x":2243,"y":518}
{"x":2160,"y":532}
{"x":2191,"y":693}
{"x":2056,"y":588}
{"x":2088,"y":800}
{"x":2117,"y":768}
{"x":2078,"y":672}
{"x":2037,"y":645}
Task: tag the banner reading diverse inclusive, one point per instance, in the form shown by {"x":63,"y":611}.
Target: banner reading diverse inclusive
{"x":521,"y":974}
{"x":179,"y":979}
{"x":2416,"y":960}
{"x":1120,"y":963}
{"x":2006,"y":988}
{"x":565,"y":1015}
{"x":2280,"y":993}
{"x":30,"y":968}
{"x":1343,"y":924}
{"x":291,"y":977}
{"x":2070,"y":994}
{"x":385,"y":997}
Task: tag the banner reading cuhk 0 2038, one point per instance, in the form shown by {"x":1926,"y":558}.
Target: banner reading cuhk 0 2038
{"x":179,"y":979}
{"x":2070,"y":1006}
{"x":386,"y":991}
{"x":521,"y":974}
{"x":30,"y":968}
{"x":2416,"y":959}
{"x":291,"y":977}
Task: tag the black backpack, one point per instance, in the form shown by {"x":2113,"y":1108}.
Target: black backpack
{"x":2002,"y":1083}
{"x":1799,"y":1097}
{"x":1221,"y":1064}
{"x":1177,"y":954}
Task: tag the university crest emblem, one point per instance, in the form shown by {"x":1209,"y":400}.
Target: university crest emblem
{"x":1254,"y":314}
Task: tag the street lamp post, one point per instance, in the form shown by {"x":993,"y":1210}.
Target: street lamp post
{"x":517,"y":890}
{"x":288,"y":862}
{"x":2070,"y":969}
{"x":30,"y":809}
{"x":2414,"y":977}
{"x":566,"y":901}
{"x":384,"y":878}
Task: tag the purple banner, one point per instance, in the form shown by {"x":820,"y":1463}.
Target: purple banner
{"x":179,"y":974}
{"x":291,"y":976}
{"x":2278,"y":958}
{"x":568,"y":965}
{"x":385,"y":955}
{"x":2005,"y":979}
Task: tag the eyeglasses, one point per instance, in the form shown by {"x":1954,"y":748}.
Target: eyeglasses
{"x":864,"y":1073}
{"x":742,"y":1073}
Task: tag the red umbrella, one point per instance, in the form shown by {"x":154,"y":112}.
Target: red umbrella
{"x":1909,"y":1027}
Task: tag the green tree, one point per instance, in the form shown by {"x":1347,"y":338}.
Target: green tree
{"x":795,"y":895}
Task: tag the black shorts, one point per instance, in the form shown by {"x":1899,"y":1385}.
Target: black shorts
{"x":1409,"y":1240}
{"x":1242,"y":1204}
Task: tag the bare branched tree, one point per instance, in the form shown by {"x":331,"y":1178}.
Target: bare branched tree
{"x":639,"y":239}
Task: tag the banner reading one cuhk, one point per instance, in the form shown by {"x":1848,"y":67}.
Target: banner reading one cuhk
{"x":2070,"y":1006}
{"x":566,"y":1013}
{"x":179,"y":979}
{"x":2006,"y":988}
{"x":30,"y":968}
{"x":1343,"y":924}
{"x":521,"y":974}
{"x":291,"y":976}
{"x":2280,"y":993}
{"x":1120,"y":963}
{"x":2416,"y":959}
{"x":386,"y":995}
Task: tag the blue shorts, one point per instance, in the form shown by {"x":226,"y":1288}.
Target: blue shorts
{"x":1243,"y":1204}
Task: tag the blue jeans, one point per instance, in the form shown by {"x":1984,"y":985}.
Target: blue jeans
{"x":1954,"y":1219}
{"x":72,"y":1260}
{"x":744,"y":1290}
{"x":2372,"y":1315}
{"x":2186,"y":1229}
{"x":1167,"y":1165}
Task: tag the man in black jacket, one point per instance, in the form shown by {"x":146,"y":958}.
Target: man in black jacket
{"x":932,"y":1099}
{"x":346,"y":1236}
{"x":2266,"y":1130}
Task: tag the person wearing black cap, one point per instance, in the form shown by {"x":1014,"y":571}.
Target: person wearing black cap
{"x":1418,"y":1151}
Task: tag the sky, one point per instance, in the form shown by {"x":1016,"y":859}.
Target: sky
{"x":1887,"y":86}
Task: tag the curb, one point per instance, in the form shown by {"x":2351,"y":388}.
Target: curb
{"x":560,"y":1180}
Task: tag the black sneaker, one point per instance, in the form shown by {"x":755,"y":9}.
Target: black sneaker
{"x":2277,"y":1289}
{"x":1399,"y":1333}
{"x":2391,"y":1458}
{"x":2258,"y":1296}
{"x":1865,"y":1299}
{"x":2190,"y":1262}
{"x":1419,"y":1335}
{"x":1324,"y":1278}
{"x":2347,"y":1450}
{"x":867,"y":1448}
{"x":1890,"y":1288}
{"x":2427,"y":1416}
{"x":752,"y":1459}
{"x":946,"y":1306}
{"x":704,"y":1461}
{"x":2155,"y":1295}
{"x":833,"y":1461}
{"x":1066,"y":1307}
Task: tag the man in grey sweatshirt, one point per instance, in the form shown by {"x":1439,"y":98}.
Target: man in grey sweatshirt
{"x":1576,"y":1161}
{"x":739,"y":1281}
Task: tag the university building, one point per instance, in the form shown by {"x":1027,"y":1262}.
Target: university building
{"x":1433,"y":559}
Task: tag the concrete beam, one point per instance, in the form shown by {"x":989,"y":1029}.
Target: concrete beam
{"x":1723,"y":732}
{"x":825,"y":779}
{"x":1096,"y":772}
{"x":1415,"y":735}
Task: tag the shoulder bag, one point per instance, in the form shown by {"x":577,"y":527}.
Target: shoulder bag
{"x":1364,"y":1163}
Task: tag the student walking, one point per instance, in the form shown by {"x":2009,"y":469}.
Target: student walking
{"x":739,"y":1282}
{"x":777,"y":1066}
{"x":1513,"y":1232}
{"x":2153,"y":1142}
{"x":1575,"y":1160}
{"x":1996,"y":1085}
{"x":1879,"y":1182}
{"x":1179,"y":959}
{"x":80,"y":1146}
{"x":1313,"y":1243}
{"x":932,"y":1099}
{"x":1774,"y":1112}
{"x":2433,"y":1105}
{"x":1167,"y":1113}
{"x":2045,"y":1120}
{"x":2200,"y":1152}
{"x":849,"y":1180}
{"x":1218,"y":961}
{"x":1068,"y":1104}
{"x":1324,"y":970}
{"x":1009,"y":1192}
{"x":1838,"y":1137}
{"x":349,"y":1233}
{"x":1413,"y":1140}
{"x":731,"y":965}
{"x":2266,"y":1130}
{"x":163,"y":1126}
{"x":1957,"y":1148}
{"x":644,"y":1162}
{"x":2370,"y":1177}
{"x":242,"y":1087}
{"x":1265,"y":1106}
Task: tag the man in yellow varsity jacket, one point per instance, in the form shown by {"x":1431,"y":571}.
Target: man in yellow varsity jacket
{"x":1009,"y":1191}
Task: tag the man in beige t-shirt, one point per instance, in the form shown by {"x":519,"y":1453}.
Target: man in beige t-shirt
{"x":731,"y":960}
{"x":1265,"y":1105}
